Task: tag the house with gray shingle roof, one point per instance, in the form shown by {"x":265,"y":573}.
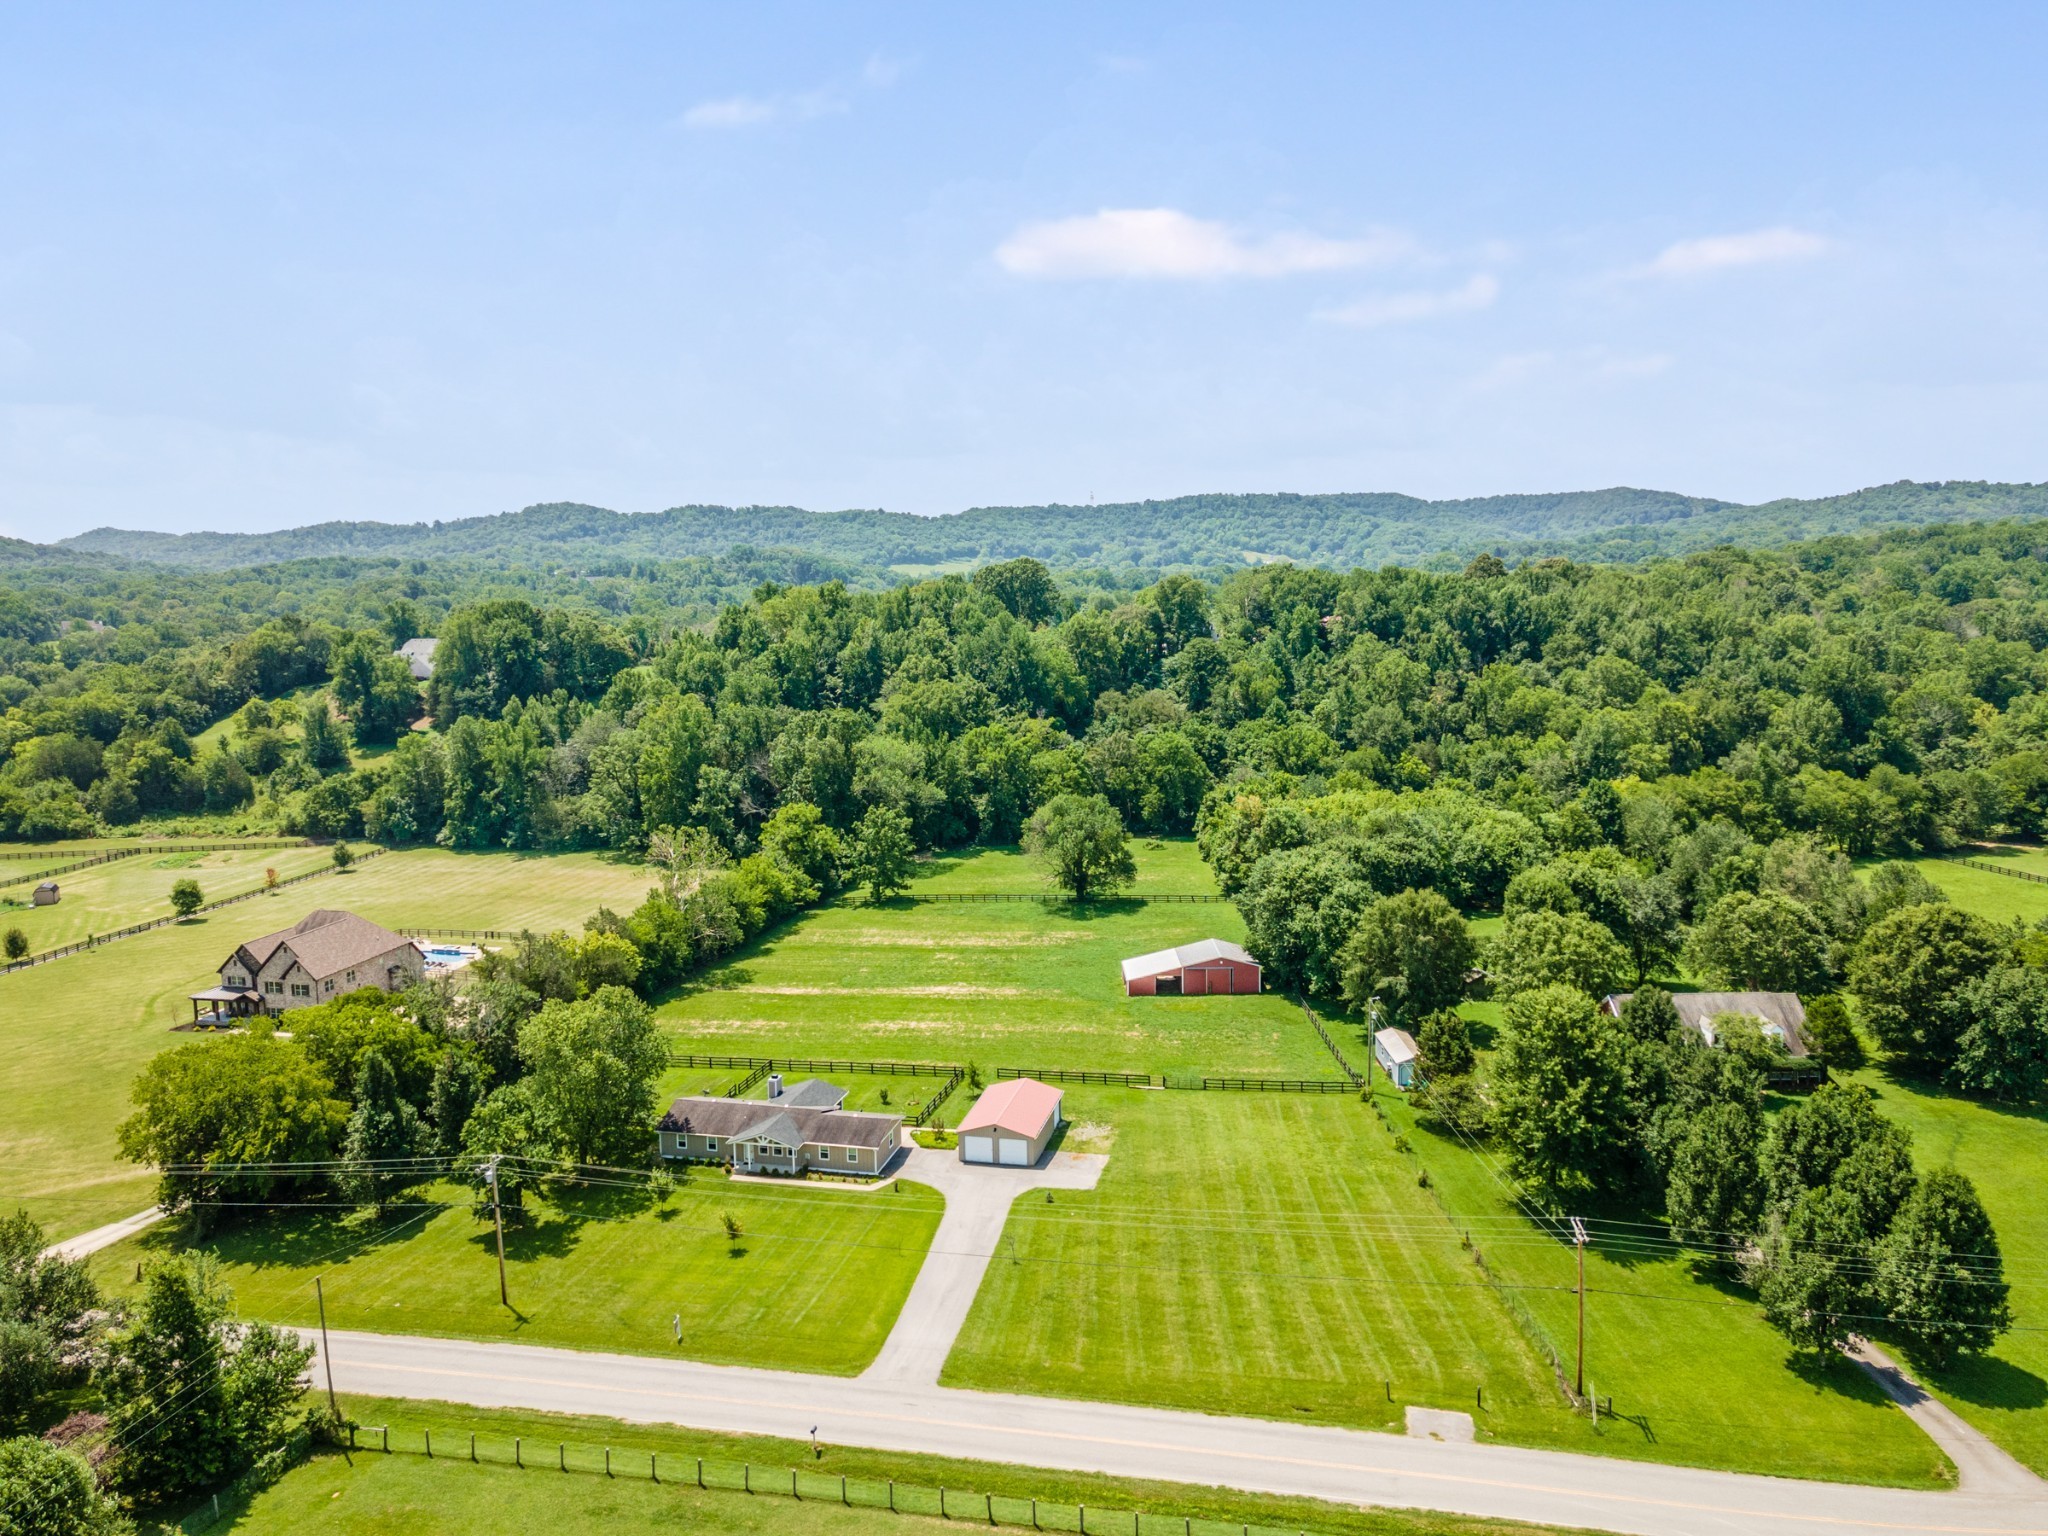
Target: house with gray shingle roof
{"x":793,"y":1131}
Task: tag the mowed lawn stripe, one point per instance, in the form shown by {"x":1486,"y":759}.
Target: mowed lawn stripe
{"x":1213,"y":1266}
{"x":1001,"y":984}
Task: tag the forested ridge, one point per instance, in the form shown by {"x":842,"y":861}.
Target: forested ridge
{"x":1189,"y":532}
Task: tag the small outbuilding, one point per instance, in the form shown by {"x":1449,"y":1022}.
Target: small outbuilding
{"x":1202,"y":969}
{"x":45,"y":895}
{"x":1397,"y":1053}
{"x":1011,"y":1123}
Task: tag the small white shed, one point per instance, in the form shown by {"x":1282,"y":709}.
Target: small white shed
{"x":1397,"y":1053}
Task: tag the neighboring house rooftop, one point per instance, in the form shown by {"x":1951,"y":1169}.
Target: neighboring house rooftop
{"x":419,"y":655}
{"x":324,"y":942}
{"x":1202,"y":952}
{"x":738,"y":1119}
{"x":811,"y":1093}
{"x":1397,"y":1046}
{"x":1021,"y":1105}
{"x":1780,"y":1013}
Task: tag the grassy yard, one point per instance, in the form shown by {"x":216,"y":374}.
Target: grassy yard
{"x":880,"y":1095}
{"x":75,"y":1031}
{"x":1998,"y":897}
{"x":1018,"y":984}
{"x":134,"y":890}
{"x":1257,"y":1254}
{"x":1166,"y":867}
{"x":370,"y":1492}
{"x":2004,"y":1152}
{"x":814,"y":1284}
{"x":1694,"y":1372}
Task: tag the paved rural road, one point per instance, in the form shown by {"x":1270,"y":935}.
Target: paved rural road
{"x":978,"y":1201}
{"x":1346,"y":1466}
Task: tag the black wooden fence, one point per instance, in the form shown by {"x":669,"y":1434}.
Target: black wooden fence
{"x":1343,"y":1063}
{"x":117,"y":854}
{"x":1279,"y":1084}
{"x":94,"y":941}
{"x":2000,"y":869}
{"x":1100,"y":1079}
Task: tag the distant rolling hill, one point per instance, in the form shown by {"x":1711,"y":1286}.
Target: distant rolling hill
{"x":1194,"y":532}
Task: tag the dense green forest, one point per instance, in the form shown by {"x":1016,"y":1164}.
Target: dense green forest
{"x":1185,"y":533}
{"x":1886,"y":694}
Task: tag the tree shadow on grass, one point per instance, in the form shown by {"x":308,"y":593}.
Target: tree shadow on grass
{"x":1984,"y":1381}
{"x":301,"y":1239}
{"x":1896,"y":1075}
{"x":1833,"y":1373}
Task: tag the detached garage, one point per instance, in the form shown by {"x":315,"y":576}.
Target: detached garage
{"x":1194,"y":970}
{"x":1011,"y":1123}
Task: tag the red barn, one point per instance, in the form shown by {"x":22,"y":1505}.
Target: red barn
{"x":1194,"y":970}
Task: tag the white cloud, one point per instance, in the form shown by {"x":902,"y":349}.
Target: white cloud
{"x":1713,"y":253}
{"x":753,"y":111}
{"x":1164,"y":242}
{"x":1423,"y":304}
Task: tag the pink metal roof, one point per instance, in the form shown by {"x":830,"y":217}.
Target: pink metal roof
{"x":1021,"y":1106}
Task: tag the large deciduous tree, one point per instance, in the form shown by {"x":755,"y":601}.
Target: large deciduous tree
{"x":1910,"y":971}
{"x":1764,"y":941}
{"x":1410,"y":952}
{"x":883,"y":854}
{"x":1939,"y":1270}
{"x":591,"y":1067}
{"x":1544,"y":948}
{"x":1080,"y":844}
{"x":1560,"y":1081}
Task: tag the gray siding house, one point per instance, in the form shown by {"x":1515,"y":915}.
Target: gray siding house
{"x":794,"y":1130}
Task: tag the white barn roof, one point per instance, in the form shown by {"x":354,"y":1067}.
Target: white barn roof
{"x":1199,"y":953}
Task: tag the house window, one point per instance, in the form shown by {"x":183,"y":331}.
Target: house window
{"x":351,"y":979}
{"x":328,"y":985}
{"x":233,"y":981}
{"x":852,"y":1156}
{"x":274,"y":988}
{"x":710,"y":1143}
{"x":301,"y":989}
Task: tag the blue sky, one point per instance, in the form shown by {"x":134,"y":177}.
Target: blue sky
{"x":267,"y":265}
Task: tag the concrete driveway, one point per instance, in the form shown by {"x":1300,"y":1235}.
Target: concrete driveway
{"x":978,"y":1201}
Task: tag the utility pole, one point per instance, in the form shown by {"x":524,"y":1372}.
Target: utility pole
{"x":326,"y":1354}
{"x":1579,"y":1243}
{"x":498,"y":1219}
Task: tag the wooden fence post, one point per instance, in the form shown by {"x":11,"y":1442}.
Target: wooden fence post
{"x":517,"y":1459}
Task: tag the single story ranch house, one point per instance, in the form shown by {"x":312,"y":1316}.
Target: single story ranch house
{"x":1780,"y":1015}
{"x":1194,"y":970}
{"x":793,"y":1130}
{"x":322,"y":955}
{"x":1011,"y":1123}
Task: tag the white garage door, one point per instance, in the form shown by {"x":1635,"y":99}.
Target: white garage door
{"x":1014,"y":1151}
{"x":980,"y":1149}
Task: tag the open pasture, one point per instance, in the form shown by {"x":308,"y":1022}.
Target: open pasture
{"x":75,"y":1031}
{"x":1259,"y":1254}
{"x":1014,"y":984}
{"x":134,"y":890}
{"x":1694,"y":1372}
{"x":1998,"y":897}
{"x":1166,"y":867}
{"x":813,"y":1284}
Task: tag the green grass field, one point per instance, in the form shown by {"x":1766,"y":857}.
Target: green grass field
{"x":1695,"y":1373}
{"x":134,"y":890}
{"x":1998,"y":897}
{"x":814,"y":1284}
{"x":1016,"y":984}
{"x":1262,"y":1254}
{"x":1166,"y":867}
{"x":2004,"y":1152}
{"x":76,"y":1031}
{"x":371,"y":1492}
